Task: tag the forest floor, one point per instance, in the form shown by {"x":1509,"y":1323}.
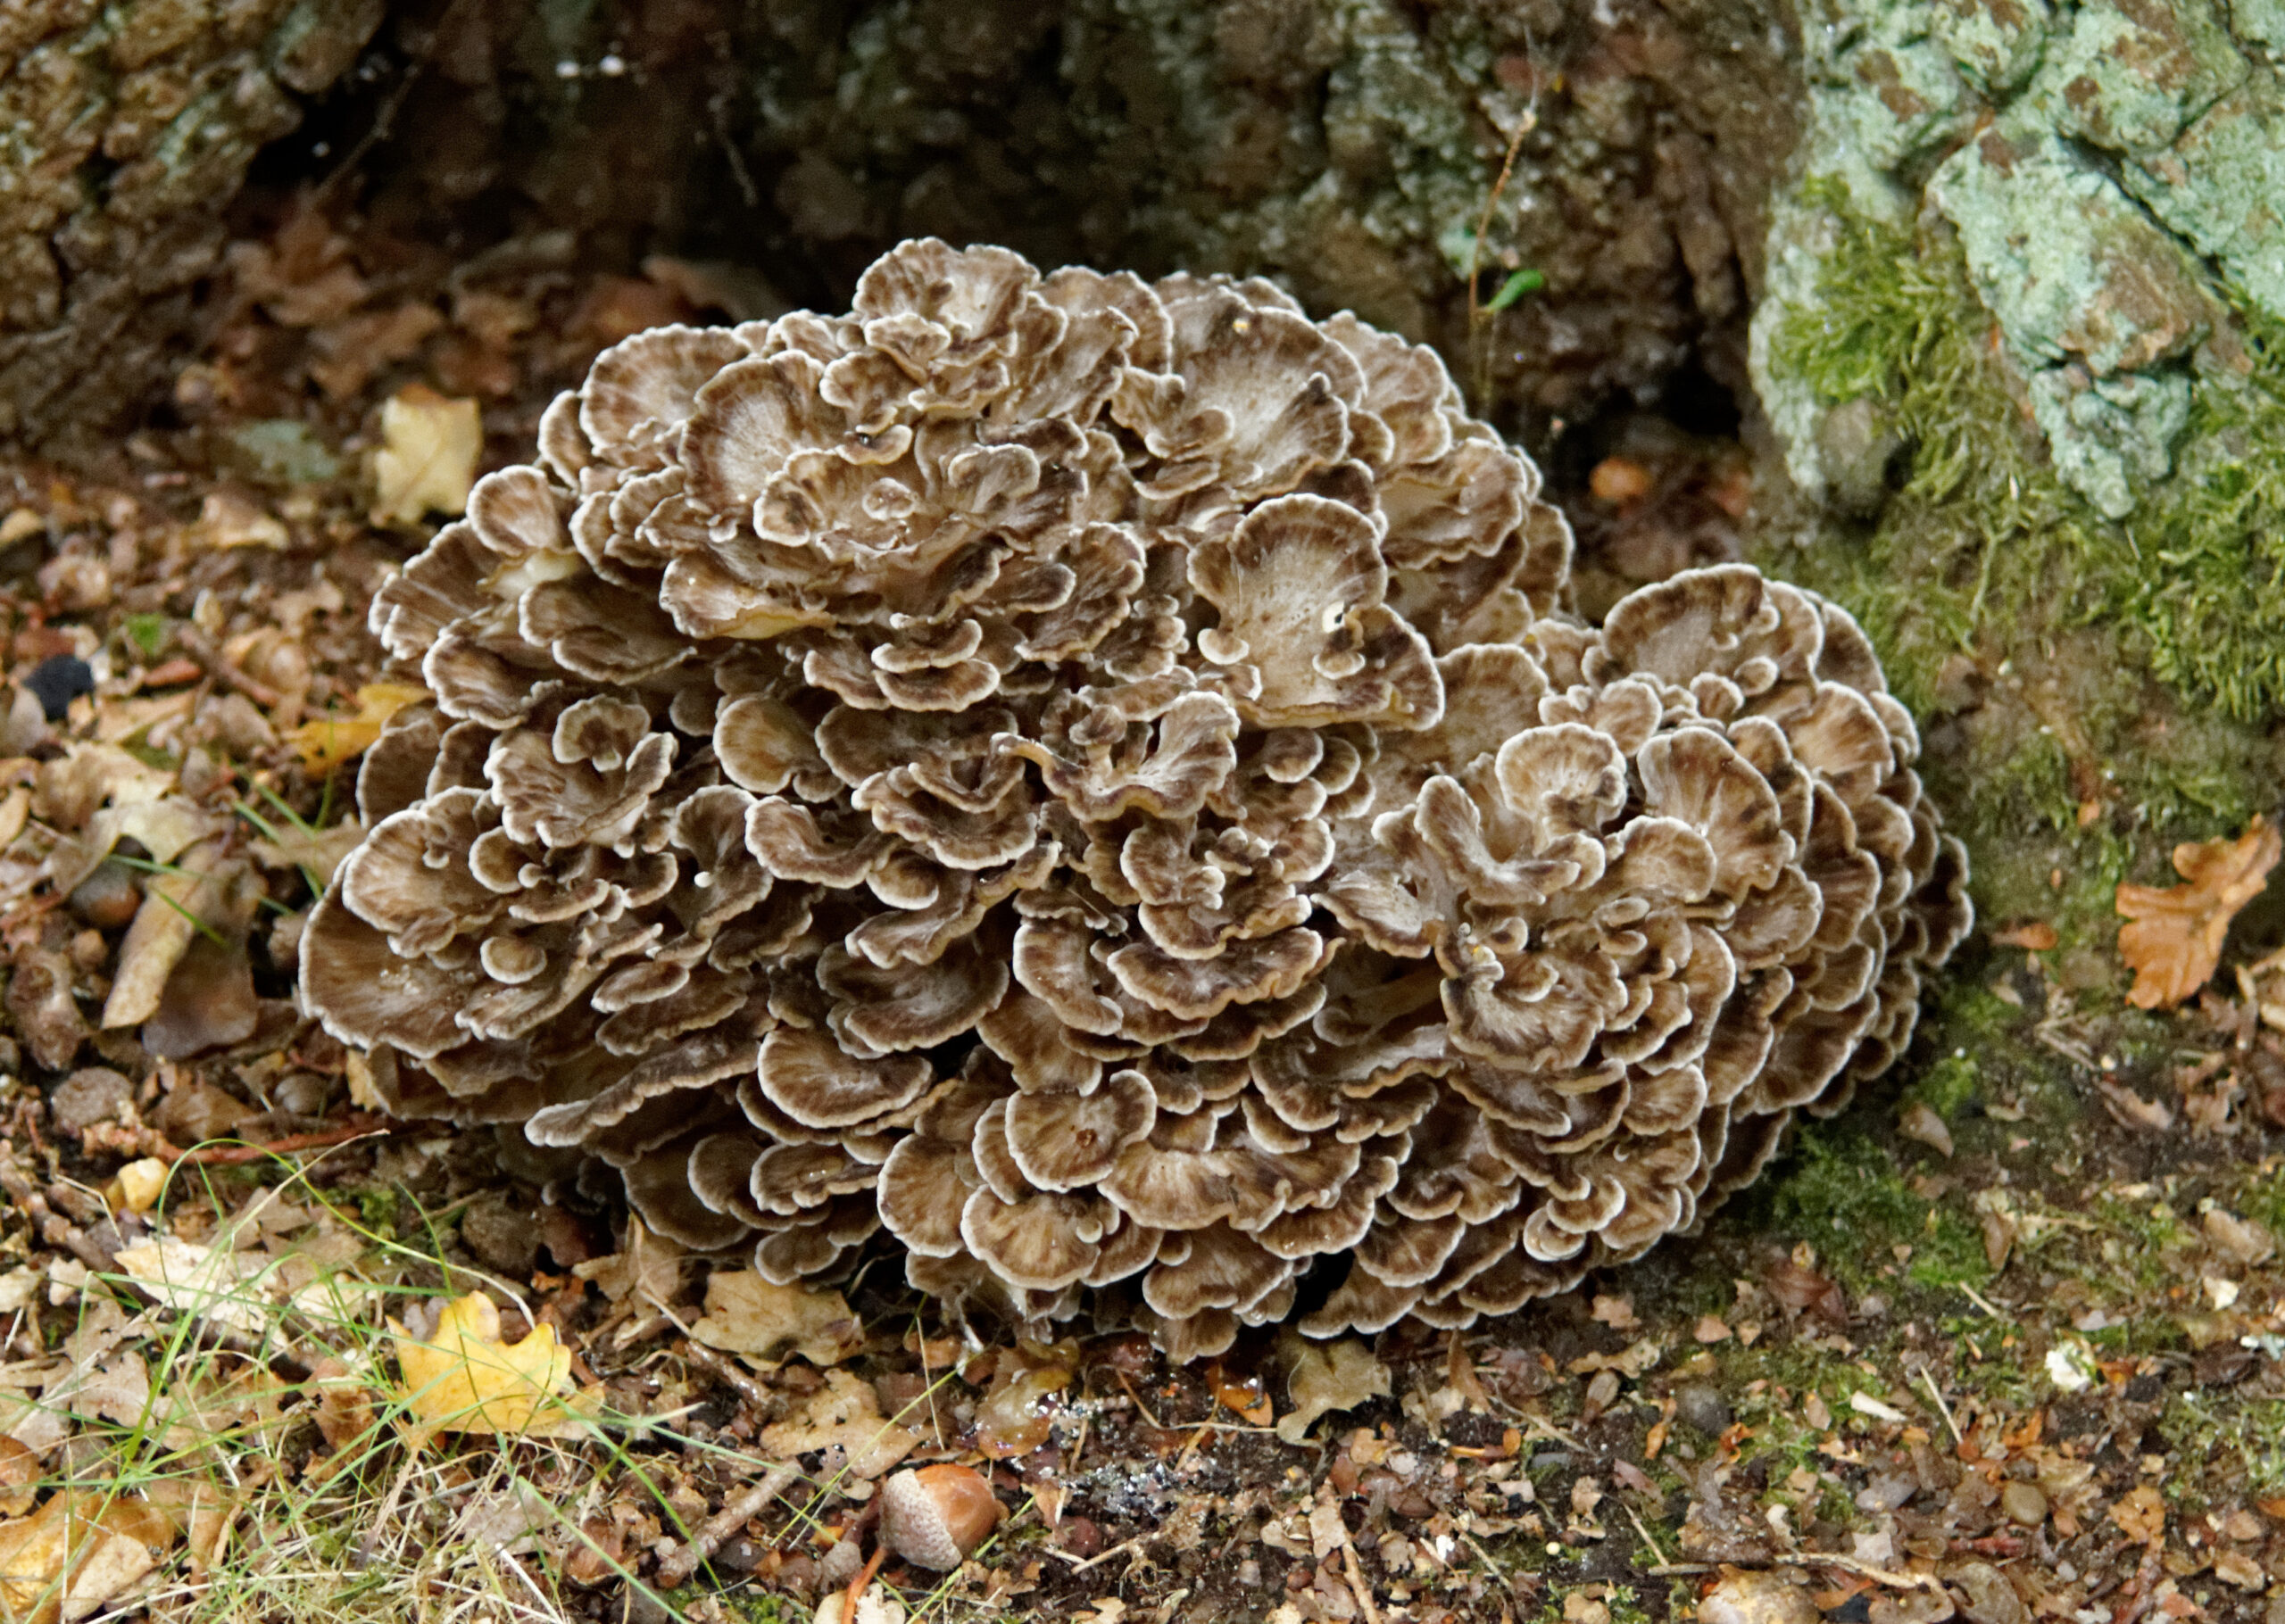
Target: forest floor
{"x":2005,"y":1341}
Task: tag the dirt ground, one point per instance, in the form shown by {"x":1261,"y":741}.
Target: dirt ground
{"x":2003,"y":1342}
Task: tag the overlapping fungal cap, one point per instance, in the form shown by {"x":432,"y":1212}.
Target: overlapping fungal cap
{"x":1096,"y":779}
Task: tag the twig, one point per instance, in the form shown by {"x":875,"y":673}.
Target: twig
{"x":1156,"y":1424}
{"x":1982,"y":1302}
{"x":864,"y":1578}
{"x":214,"y":1156}
{"x":1363,"y":1592}
{"x":1641,"y":1528}
{"x":1134,"y":1544}
{"x":1862,"y":1570}
{"x":736,"y":1511}
{"x":1942,"y":1409}
{"x":1523,"y":127}
{"x":202,"y":649}
{"x":724,"y":1370}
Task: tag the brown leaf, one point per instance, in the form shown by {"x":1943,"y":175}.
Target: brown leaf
{"x":2141,"y":1515}
{"x":2038,"y":936}
{"x":2174,"y":941}
{"x":77,"y":1551}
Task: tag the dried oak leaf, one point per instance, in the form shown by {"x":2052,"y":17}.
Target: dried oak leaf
{"x":80,"y":1550}
{"x":2174,"y":940}
{"x":427,"y":455}
{"x":846,"y":1414}
{"x":463,"y":1379}
{"x":748,"y":1314}
{"x":1328,"y":1376}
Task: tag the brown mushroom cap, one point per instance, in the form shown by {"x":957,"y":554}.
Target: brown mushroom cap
{"x":1096,"y":778}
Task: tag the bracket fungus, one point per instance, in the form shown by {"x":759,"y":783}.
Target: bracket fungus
{"x":1098,"y":779}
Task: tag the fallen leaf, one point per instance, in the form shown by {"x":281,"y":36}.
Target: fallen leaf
{"x":747,"y":1315}
{"x":19,"y":1476}
{"x":174,"y":905}
{"x":78,"y":1552}
{"x":1324,"y":1376}
{"x":2131,"y":1110}
{"x":326,"y":742}
{"x":1244,"y":1395}
{"x":843,"y":1412}
{"x":2038,"y":936}
{"x":2141,"y":1514}
{"x":228,"y":519}
{"x":2240,"y":1570}
{"x":210,"y":1282}
{"x":427,"y":455}
{"x":463,"y":1379}
{"x":316,"y":852}
{"x":1615,"y":1311}
{"x":2174,"y":941}
{"x":1919,"y":1121}
{"x":2236,"y":1238}
{"x":345,"y":1413}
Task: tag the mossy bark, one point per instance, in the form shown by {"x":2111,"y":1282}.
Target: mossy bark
{"x":124,"y":131}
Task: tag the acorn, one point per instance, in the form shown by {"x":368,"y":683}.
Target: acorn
{"x":936,"y":1516}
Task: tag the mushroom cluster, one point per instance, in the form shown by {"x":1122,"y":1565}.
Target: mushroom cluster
{"x":1096,"y":778}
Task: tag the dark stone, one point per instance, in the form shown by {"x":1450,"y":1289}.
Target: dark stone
{"x":502,"y":1232}
{"x":1702,"y":1406}
{"x":55,"y":682}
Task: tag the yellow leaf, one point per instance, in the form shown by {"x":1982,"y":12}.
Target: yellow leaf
{"x":76,"y":1553}
{"x":426,"y":460}
{"x":2174,"y":942}
{"x":465,"y":1380}
{"x":327,"y":742}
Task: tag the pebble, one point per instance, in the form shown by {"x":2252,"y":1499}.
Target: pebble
{"x":55,"y":682}
{"x":2023,"y":1503}
{"x":1751,"y":1597}
{"x":1991,"y":1598}
{"x":1702,"y":1406}
{"x":108,"y":897}
{"x":87,"y":1097}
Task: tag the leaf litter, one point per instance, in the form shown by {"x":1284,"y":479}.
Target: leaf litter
{"x":195,"y":1280}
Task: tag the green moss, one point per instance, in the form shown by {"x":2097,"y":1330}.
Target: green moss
{"x":1946,"y":1087}
{"x":2213,"y":593}
{"x":1842,"y":1190}
{"x":2243,"y":1439}
{"x":2262,"y":1198}
{"x":2103,"y":677}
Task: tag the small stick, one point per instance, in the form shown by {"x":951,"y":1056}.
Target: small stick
{"x":864,"y":1578}
{"x":1642,"y":1528}
{"x":1134,"y":1544}
{"x":708,"y":1535}
{"x":1942,"y":1409}
{"x":1362,"y":1591}
{"x":202,"y":649}
{"x":724,"y":1370}
{"x":214,"y":1156}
